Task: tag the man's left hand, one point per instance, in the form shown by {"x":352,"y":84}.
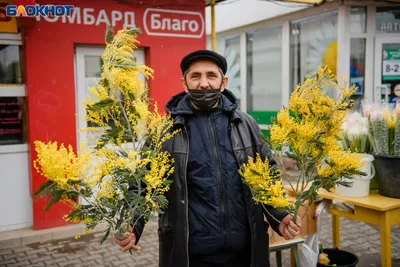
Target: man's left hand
{"x":288,"y":228}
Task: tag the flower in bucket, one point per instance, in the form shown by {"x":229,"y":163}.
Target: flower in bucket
{"x":384,"y":133}
{"x":396,"y":115}
{"x":124,"y":176}
{"x":307,"y":131}
{"x":385,"y":129}
{"x":355,"y":133}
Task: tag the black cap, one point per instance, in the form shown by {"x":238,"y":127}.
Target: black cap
{"x":204,"y":55}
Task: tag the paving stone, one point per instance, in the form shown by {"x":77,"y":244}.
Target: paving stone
{"x":69,"y":263}
{"x":144,"y":257}
{"x":111,"y":259}
{"x":57,"y":254}
{"x":125,"y":255}
{"x":36,"y":251}
{"x":54,"y":261}
{"x":90,"y":263}
{"x":30,"y":257}
{"x":14,"y":256}
{"x":23,"y":249}
{"x":46,"y":245}
{"x":98,"y":251}
{"x":64,"y":242}
{"x":56,"y":247}
{"x":118,"y":263}
{"x":24,"y":263}
{"x":91,"y":258}
{"x":5,"y":252}
{"x":77,"y":243}
{"x":41,"y":259}
{"x":47,"y":253}
{"x":8,"y":262}
{"x":75,"y":256}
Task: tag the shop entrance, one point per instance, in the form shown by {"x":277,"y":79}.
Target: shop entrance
{"x":88,"y":68}
{"x":387,"y":68}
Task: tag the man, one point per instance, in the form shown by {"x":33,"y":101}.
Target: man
{"x":211,"y":218}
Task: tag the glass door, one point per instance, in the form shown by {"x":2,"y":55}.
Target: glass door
{"x":387,"y":68}
{"x":88,"y":69}
{"x":88,"y":65}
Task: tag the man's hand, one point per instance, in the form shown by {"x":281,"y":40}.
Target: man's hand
{"x":128,"y":242}
{"x":288,"y":228}
{"x":289,"y":164}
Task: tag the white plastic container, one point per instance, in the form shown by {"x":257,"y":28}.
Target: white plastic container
{"x":361,"y":184}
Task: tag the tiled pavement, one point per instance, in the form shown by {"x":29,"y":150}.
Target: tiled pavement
{"x":86,"y":251}
{"x":359,"y":238}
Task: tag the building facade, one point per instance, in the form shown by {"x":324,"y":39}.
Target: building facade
{"x":272,"y":46}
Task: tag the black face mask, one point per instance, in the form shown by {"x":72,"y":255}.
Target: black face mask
{"x":204,"y":99}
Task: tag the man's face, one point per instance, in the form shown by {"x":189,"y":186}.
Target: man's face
{"x":204,"y":75}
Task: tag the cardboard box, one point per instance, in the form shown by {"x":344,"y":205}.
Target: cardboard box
{"x":308,"y":223}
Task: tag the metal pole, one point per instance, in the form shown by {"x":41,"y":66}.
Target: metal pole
{"x":213,"y":34}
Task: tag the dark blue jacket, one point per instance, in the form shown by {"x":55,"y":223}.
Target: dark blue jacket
{"x":175,"y":232}
{"x":217,"y":212}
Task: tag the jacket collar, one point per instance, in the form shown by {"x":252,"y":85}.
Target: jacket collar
{"x":179,"y":107}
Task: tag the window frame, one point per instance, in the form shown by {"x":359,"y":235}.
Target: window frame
{"x":13,"y":90}
{"x":265,"y":29}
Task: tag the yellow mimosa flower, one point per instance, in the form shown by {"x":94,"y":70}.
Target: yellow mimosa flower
{"x":264,"y":183}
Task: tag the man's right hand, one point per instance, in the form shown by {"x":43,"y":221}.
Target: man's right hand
{"x":128,"y":241}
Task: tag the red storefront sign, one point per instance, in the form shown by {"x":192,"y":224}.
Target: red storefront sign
{"x":50,"y":74}
{"x":173,"y":23}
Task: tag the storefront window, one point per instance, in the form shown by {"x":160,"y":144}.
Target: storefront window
{"x":357,"y":69}
{"x":313,"y":42}
{"x":232,"y":55}
{"x":93,"y":66}
{"x":12,"y":120}
{"x":358,"y":19}
{"x":264,"y":61}
{"x":10,"y":70}
{"x":388,"y":19}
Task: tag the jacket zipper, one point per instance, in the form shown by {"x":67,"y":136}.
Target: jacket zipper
{"x":219,"y":178}
{"x":186,"y":199}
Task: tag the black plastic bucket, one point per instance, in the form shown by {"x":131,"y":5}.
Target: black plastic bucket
{"x":388,"y":170}
{"x":339,"y":257}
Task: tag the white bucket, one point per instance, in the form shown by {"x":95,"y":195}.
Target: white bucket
{"x":361,"y":184}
